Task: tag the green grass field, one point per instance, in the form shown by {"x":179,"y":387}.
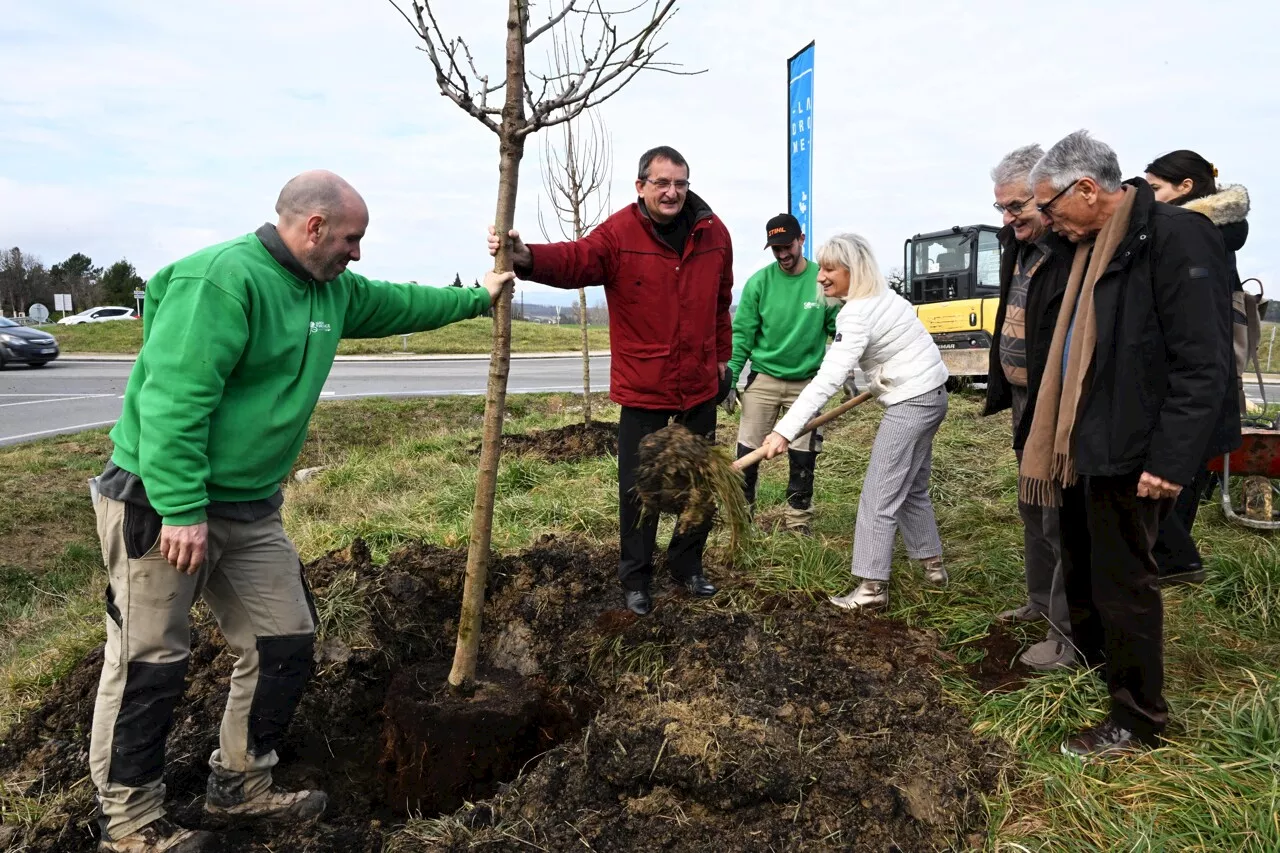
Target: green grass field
{"x":399,"y":470}
{"x":468,"y":336}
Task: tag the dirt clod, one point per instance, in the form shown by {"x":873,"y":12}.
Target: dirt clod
{"x":687,"y":475}
{"x":572,"y":443}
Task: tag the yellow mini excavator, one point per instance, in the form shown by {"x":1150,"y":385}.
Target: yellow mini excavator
{"x":953,"y":279}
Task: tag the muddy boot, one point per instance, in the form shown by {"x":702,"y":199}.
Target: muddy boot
{"x":799,"y":513}
{"x":224,"y":797}
{"x":750,"y":476}
{"x":868,"y":595}
{"x":159,"y":836}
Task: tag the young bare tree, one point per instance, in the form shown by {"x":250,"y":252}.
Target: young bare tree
{"x":605,"y":63}
{"x":576,"y":177}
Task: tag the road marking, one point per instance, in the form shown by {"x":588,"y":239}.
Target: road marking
{"x":463,"y":392}
{"x":55,"y":400}
{"x":72,"y":428}
{"x":61,"y":394}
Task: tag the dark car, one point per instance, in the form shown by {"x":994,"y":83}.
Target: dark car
{"x":25,"y":345}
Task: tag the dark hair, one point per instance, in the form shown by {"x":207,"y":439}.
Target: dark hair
{"x":1177,"y":166}
{"x":665,"y":152}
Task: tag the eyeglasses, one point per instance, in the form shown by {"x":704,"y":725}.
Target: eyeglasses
{"x":1014,"y":207}
{"x":666,"y":184}
{"x":1045,"y":209}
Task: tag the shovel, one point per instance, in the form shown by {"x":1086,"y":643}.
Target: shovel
{"x":756,"y":455}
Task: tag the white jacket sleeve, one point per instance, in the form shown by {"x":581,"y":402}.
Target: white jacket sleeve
{"x":837,"y":366}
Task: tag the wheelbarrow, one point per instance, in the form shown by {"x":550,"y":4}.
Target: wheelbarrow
{"x":1258,"y":461}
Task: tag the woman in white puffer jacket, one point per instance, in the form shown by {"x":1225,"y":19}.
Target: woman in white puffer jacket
{"x":878,"y":331}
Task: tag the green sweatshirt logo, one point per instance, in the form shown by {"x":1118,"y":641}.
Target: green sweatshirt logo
{"x":319,"y":326}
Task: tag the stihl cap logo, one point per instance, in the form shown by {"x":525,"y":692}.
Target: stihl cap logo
{"x":773,"y":231}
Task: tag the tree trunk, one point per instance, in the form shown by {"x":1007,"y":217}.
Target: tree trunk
{"x":586,"y":357}
{"x":511,"y":149}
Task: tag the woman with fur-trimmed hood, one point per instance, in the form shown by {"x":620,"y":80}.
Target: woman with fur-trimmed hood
{"x":1188,"y":180}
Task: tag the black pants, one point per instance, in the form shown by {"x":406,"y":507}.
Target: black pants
{"x":638,"y":537}
{"x":1175,"y":549}
{"x":1117,"y":614}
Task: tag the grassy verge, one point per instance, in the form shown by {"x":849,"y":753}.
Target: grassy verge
{"x":50,"y":564}
{"x":469,"y":336}
{"x":397,"y":470}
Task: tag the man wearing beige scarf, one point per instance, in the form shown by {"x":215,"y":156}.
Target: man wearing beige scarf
{"x":1126,"y":412}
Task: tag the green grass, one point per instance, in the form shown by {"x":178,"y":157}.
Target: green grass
{"x":117,"y":336}
{"x":404,"y":469}
{"x":51,"y":574}
{"x":468,"y":336}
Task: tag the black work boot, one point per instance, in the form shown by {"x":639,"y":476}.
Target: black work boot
{"x":750,"y":476}
{"x":800,"y":490}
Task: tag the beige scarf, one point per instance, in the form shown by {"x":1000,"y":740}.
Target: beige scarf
{"x":1048,"y":459}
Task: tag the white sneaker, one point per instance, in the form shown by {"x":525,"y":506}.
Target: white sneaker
{"x":868,"y":595}
{"x":935,"y":572}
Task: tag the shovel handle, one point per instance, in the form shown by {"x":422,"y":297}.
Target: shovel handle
{"x":756,"y":455}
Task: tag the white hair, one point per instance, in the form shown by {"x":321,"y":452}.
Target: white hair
{"x":1078,"y":156}
{"x":853,"y":253}
{"x":1015,"y":168}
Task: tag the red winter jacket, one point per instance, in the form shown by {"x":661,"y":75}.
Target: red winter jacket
{"x":669,"y":321}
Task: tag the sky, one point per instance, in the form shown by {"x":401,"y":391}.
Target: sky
{"x":147,"y":129}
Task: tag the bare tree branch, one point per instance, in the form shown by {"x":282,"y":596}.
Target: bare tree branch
{"x":555,"y":19}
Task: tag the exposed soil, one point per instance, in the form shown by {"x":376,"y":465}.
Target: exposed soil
{"x":794,"y":728}
{"x":572,"y":443}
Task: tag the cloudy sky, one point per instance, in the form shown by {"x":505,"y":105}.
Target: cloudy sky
{"x":147,"y":129}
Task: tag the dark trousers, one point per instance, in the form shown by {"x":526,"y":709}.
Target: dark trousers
{"x":639,"y":536}
{"x":1175,"y":549}
{"x":1117,"y":614}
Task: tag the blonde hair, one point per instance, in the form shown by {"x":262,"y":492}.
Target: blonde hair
{"x":853,"y":253}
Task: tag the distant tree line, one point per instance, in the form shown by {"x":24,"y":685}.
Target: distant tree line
{"x":25,"y":280}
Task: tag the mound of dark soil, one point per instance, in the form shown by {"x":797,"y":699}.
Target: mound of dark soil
{"x":572,"y":443}
{"x":800,"y":728}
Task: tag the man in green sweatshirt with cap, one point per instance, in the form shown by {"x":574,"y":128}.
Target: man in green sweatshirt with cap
{"x":781,"y":326}
{"x":238,"y":340}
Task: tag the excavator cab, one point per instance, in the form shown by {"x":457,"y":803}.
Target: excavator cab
{"x":953,"y":279}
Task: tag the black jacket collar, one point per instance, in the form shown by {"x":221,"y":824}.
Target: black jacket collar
{"x":274,"y":244}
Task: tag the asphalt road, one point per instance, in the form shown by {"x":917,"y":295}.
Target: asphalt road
{"x":70,"y":395}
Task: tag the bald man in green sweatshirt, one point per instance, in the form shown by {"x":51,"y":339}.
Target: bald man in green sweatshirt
{"x":238,"y":340}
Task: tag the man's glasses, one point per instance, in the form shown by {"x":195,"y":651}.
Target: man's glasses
{"x":1046,"y":208}
{"x":1013,"y":208}
{"x":666,"y":184}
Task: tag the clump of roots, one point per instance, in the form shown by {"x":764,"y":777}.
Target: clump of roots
{"x":686,"y":475}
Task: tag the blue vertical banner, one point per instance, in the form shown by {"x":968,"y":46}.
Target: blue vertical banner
{"x":800,"y":143}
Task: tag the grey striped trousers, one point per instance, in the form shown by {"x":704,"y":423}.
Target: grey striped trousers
{"x":895,"y":491}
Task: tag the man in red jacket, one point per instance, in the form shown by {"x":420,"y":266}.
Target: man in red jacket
{"x":666,"y":264}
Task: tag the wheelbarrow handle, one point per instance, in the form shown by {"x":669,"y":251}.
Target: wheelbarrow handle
{"x":756,"y":455}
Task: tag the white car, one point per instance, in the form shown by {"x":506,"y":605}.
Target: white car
{"x":99,"y":315}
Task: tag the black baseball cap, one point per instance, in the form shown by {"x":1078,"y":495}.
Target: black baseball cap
{"x":782,"y":230}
